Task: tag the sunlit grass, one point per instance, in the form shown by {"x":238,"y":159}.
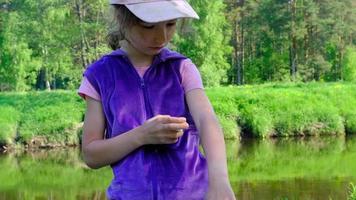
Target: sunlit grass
{"x":352,"y":192}
{"x":48,"y":114}
{"x":260,"y":111}
{"x":286,"y":109}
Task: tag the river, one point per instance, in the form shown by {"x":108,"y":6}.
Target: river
{"x":277,"y":169}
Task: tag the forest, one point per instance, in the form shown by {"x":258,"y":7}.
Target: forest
{"x":47,"y":44}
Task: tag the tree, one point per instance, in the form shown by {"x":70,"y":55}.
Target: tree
{"x":235,"y":14}
{"x":206,"y":41}
{"x":349,"y":69}
{"x":16,"y":65}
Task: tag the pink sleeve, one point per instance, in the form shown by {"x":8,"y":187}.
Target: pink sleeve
{"x":86,"y":89}
{"x":191,"y":78}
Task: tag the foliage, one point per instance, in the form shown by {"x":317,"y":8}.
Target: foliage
{"x":287,"y":109}
{"x":16,"y":64}
{"x":352,"y":192}
{"x":47,"y":44}
{"x":260,"y":111}
{"x":42,"y":46}
{"x":206,"y":41}
{"x":52,"y":116}
{"x":271,"y":37}
{"x":349,"y":70}
{"x":9,"y":118}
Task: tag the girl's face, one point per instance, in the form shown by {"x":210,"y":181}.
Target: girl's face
{"x":149,"y":39}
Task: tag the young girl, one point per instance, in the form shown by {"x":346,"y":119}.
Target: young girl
{"x":147,"y":111}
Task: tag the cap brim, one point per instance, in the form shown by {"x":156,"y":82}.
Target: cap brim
{"x":154,"y":12}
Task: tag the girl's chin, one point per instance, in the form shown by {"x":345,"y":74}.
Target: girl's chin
{"x":153,"y":51}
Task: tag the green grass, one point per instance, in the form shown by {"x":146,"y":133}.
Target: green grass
{"x":352,"y":192}
{"x":286,"y":109}
{"x":9,"y":117}
{"x":51,"y":116}
{"x":259,"y":111}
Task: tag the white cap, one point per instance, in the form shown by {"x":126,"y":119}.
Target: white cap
{"x":153,"y":11}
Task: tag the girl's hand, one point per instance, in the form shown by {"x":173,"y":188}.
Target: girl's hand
{"x":220,"y":189}
{"x":163,"y":129}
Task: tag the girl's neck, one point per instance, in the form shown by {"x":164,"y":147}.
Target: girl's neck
{"x":137,"y":58}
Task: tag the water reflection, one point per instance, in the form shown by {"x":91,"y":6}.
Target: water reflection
{"x":295,"y":168}
{"x":309,"y":168}
{"x":50,"y":174}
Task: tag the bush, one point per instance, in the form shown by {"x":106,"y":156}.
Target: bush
{"x":51,"y":116}
{"x":9,"y":119}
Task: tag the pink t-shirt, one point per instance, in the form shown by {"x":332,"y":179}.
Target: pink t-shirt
{"x":191,"y":79}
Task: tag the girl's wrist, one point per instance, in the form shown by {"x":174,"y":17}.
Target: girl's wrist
{"x":218,"y":174}
{"x":217,"y":169}
{"x":140,"y":136}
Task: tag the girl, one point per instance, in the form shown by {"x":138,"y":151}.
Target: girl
{"x":147,"y":111}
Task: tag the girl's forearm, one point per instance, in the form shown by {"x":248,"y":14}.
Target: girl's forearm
{"x":99,"y":153}
{"x":214,"y":147}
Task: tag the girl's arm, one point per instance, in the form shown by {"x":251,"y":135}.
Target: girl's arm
{"x":99,"y":152}
{"x":213,"y":143}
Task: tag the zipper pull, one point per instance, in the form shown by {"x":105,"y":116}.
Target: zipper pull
{"x":142,"y":83}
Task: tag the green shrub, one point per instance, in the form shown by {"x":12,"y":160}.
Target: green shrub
{"x":51,"y":116}
{"x":287,"y":109}
{"x":9,"y":118}
{"x":352,"y":192}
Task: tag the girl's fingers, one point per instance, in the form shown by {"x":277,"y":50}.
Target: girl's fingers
{"x":166,"y":119}
{"x":175,"y":134}
{"x":170,"y":137}
{"x":177,"y":120}
{"x":175,"y":126}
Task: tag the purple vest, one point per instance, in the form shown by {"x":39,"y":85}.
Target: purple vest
{"x":174,"y":171}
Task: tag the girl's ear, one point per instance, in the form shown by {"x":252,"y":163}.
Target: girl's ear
{"x":114,"y":39}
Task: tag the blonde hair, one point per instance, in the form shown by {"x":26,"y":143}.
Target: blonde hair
{"x":122,"y":19}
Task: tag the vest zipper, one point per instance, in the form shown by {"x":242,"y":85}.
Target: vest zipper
{"x":148,"y":107}
{"x":144,"y":94}
{"x":148,"y":114}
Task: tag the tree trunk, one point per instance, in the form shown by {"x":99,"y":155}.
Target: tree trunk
{"x":239,"y":45}
{"x":242,"y":51}
{"x":83,"y":42}
{"x":293,"y":46}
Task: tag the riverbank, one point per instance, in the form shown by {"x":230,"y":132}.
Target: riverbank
{"x":40,"y":119}
{"x":284,"y":110}
{"x":52,"y":119}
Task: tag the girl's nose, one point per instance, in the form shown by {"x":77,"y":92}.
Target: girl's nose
{"x":161,"y":35}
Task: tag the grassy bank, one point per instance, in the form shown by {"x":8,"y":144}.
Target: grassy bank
{"x":352,"y":192}
{"x":287,"y":109}
{"x":259,"y":111}
{"x":40,"y":118}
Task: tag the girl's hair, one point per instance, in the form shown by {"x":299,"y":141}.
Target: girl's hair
{"x":122,"y":19}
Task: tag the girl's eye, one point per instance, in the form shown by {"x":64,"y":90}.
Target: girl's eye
{"x":147,"y":26}
{"x":171,"y":24}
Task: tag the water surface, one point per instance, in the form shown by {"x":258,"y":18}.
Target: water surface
{"x":309,"y":168}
